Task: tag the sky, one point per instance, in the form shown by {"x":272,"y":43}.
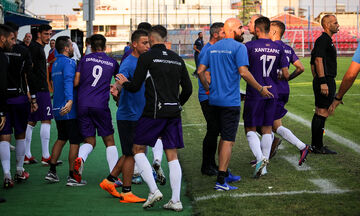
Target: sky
{"x":41,"y":7}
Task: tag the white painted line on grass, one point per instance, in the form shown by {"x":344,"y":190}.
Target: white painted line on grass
{"x":332,"y":135}
{"x":294,"y":161}
{"x":326,"y":187}
{"x":190,"y":66}
{"x":202,"y":124}
{"x":312,"y":95}
{"x":329,"y":133}
{"x":282,"y":146}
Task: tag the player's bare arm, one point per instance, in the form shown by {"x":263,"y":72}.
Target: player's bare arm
{"x":248,"y":77}
{"x":77,"y":79}
{"x":285,"y":73}
{"x":298,"y":70}
{"x":201,"y":72}
{"x":2,"y":123}
{"x":320,"y":72}
{"x":196,"y":49}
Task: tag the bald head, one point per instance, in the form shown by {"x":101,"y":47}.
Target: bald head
{"x":330,"y":24}
{"x":233,"y":29}
{"x":251,"y":24}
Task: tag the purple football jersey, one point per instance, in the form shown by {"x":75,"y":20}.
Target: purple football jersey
{"x":96,"y":71}
{"x":283,"y":85}
{"x":265,"y":57}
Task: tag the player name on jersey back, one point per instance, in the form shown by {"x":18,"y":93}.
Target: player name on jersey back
{"x":96,"y":72}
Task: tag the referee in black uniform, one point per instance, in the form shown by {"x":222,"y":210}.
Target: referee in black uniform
{"x":323,"y":57}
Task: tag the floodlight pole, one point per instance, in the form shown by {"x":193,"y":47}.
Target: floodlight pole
{"x":89,"y":16}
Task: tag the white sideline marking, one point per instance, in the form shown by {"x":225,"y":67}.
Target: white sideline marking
{"x":294,"y":161}
{"x":281,"y":146}
{"x":202,"y":124}
{"x":326,"y":187}
{"x":190,"y":66}
{"x":312,"y":95}
{"x":329,"y":133}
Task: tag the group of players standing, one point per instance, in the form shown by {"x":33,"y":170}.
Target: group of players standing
{"x":150,"y":102}
{"x":148,"y":113}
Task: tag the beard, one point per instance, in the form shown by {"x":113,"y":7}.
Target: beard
{"x":238,"y":38}
{"x":71,"y":54}
{"x":7,"y":46}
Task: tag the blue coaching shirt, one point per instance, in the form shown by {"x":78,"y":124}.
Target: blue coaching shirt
{"x":356,"y":57}
{"x":202,"y":93}
{"x":63,"y":74}
{"x":131,"y":105}
{"x":224,"y":58}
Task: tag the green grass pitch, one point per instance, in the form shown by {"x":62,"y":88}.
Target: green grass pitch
{"x":284,"y":191}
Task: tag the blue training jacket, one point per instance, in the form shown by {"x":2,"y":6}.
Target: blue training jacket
{"x":63,"y":74}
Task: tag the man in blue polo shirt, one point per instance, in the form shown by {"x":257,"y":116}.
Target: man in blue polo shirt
{"x":228,"y":61}
{"x":208,"y":166}
{"x":64,"y":108}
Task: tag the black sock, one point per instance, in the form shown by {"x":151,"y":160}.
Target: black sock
{"x":221,"y":177}
{"x":111,"y":178}
{"x":126,"y":189}
{"x":317,"y":131}
{"x":258,"y":129}
{"x":53,"y":168}
{"x":71,"y":174}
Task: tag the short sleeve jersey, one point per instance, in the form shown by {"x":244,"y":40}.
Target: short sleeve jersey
{"x":224,"y":58}
{"x":283,"y":85}
{"x":96,"y":71}
{"x":199,"y":43}
{"x":265,"y":58}
{"x":131,"y":105}
{"x":325,"y":49}
{"x":356,"y":57}
{"x":202,"y":93}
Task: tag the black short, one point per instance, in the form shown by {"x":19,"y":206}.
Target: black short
{"x":228,"y":119}
{"x":322,"y":101}
{"x":69,"y":130}
{"x":126,"y":131}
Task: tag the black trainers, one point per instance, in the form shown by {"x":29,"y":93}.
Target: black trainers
{"x":323,"y":150}
{"x":209,"y":170}
{"x":52,"y":177}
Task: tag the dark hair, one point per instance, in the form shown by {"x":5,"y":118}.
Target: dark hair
{"x":98,"y":42}
{"x":215,"y":28}
{"x":44,"y":27}
{"x":144,"y":26}
{"x":12,"y":25}
{"x":62,"y":42}
{"x":137,"y":34}
{"x":199,"y":33}
{"x":161,"y":30}
{"x":263,"y":23}
{"x":87,"y":40}
{"x":280,"y":25}
{"x":5,"y":30}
